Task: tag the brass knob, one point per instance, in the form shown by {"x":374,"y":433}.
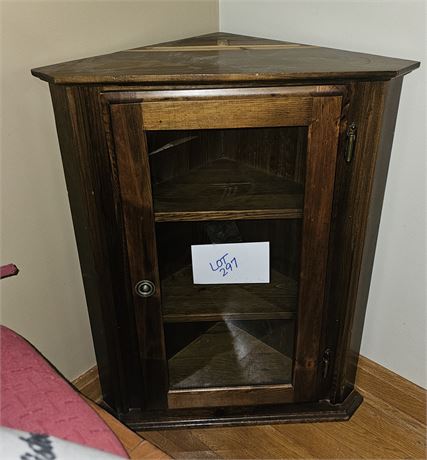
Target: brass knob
{"x":145,"y":288}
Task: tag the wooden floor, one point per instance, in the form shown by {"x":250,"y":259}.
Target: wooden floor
{"x":391,"y":423}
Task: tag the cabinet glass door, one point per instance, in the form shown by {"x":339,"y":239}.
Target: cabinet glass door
{"x":229,"y":186}
{"x":227,"y":171}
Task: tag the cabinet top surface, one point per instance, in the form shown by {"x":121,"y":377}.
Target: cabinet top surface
{"x":224,"y":57}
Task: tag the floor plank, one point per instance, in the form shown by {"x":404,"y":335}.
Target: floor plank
{"x":390,"y":424}
{"x":181,"y":444}
{"x":318,"y":443}
{"x":146,"y":450}
{"x":256,"y":441}
{"x":362,"y":437}
{"x":386,"y":427}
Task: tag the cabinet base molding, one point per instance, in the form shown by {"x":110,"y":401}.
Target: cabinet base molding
{"x":322,"y":411}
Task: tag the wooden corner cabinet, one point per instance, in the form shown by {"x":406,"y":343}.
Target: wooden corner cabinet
{"x":226,"y":194}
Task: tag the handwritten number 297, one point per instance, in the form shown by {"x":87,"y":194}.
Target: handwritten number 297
{"x":223,"y":265}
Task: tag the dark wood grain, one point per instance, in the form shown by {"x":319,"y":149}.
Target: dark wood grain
{"x":290,"y":63}
{"x":321,"y":411}
{"x":392,"y":92}
{"x":250,"y":395}
{"x":276,"y":151}
{"x":220,"y":38}
{"x":227,"y":189}
{"x":255,"y":127}
{"x":102,"y":260}
{"x":321,"y":156}
{"x":220,"y":91}
{"x":321,"y":160}
{"x":374,"y":109}
{"x":285,"y":237}
{"x":184,"y":301}
{"x":135,"y":190}
{"x":174,"y":160}
{"x":182,"y":216}
{"x":223,"y":113}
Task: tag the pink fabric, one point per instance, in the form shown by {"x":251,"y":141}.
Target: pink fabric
{"x":8,"y":270}
{"x":33,"y":397}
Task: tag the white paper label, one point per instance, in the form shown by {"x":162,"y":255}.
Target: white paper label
{"x":231,"y":263}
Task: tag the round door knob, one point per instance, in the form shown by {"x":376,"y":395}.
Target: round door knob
{"x":145,"y":288}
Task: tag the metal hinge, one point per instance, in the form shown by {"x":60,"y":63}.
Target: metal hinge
{"x":351,"y":142}
{"x":326,"y":359}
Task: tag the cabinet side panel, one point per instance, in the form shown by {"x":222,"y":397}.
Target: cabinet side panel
{"x":358,"y":198}
{"x":388,"y":125}
{"x":90,"y":189}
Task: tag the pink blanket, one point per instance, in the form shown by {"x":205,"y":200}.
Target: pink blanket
{"x":33,"y":397}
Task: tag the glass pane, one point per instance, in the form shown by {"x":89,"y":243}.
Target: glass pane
{"x":229,"y":353}
{"x":211,"y":327}
{"x":228,"y":170}
{"x":213,"y":187}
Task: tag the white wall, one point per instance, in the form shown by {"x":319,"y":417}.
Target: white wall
{"x":45,"y":302}
{"x":395,"y":325}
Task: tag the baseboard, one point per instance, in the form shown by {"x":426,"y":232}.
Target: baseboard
{"x":365,"y":365}
{"x":88,"y":383}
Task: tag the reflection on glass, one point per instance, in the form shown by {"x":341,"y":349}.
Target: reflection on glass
{"x":231,"y":353}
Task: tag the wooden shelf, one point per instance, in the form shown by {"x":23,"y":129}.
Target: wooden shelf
{"x":184,"y":301}
{"x":226,"y":355}
{"x":226,"y":189}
